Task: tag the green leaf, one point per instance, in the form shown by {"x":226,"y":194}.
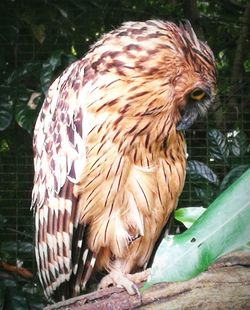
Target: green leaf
{"x":15,"y":299}
{"x":39,"y":32}
{"x":34,"y":296}
{"x":188,"y":216}
{"x":205,"y":194}
{"x":16,"y":294}
{"x":20,"y":73}
{"x":49,"y":68}
{"x":198,"y":170}
{"x":248,"y":148}
{"x":6,"y":107}
{"x":20,"y":247}
{"x":232,"y":175}
{"x":5,"y":285}
{"x":3,"y":220}
{"x":58,"y":60}
{"x":26,"y":109}
{"x":237,"y":143}
{"x":223,"y":227}
{"x":218,"y":147}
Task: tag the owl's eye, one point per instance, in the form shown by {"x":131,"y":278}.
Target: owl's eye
{"x":197,"y":94}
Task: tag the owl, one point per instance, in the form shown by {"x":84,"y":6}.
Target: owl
{"x":110,"y":153}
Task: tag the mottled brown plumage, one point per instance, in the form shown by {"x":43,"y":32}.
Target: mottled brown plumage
{"x":110,"y":154}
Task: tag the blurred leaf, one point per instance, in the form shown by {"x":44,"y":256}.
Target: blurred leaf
{"x":62,"y":12}
{"x":222,"y":228}
{"x":2,"y":293}
{"x":5,"y":285}
{"x":4,"y":147}
{"x":57,"y":60}
{"x":237,"y":143}
{"x":34,"y":296}
{"x":218,"y":147}
{"x":199,"y":170}
{"x":26,"y":110}
{"x":247,"y":65}
{"x":205,"y":194}
{"x":23,"y":71}
{"x":3,"y":220}
{"x":14,"y":294}
{"x":39,"y":32}
{"x":232,"y":175}
{"x":49,"y":68}
{"x":15,"y":299}
{"x":188,"y":216}
{"x":6,"y":107}
{"x":68,"y":59}
{"x":19,"y":246}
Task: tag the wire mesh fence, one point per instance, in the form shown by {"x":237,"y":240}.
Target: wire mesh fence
{"x":16,"y":218}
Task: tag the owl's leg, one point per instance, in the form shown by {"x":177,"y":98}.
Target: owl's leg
{"x":127,"y":281}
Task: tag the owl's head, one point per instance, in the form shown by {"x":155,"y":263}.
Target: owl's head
{"x":200,"y":79}
{"x":152,"y":68}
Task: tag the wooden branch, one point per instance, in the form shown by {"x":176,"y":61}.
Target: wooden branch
{"x":22,"y":272}
{"x":226,"y":285}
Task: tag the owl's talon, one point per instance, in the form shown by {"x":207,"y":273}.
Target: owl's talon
{"x":105,"y":282}
{"x":136,"y":290}
{"x":120,"y":280}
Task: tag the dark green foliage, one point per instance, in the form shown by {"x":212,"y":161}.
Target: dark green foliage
{"x":6,"y":107}
{"x":230,"y":152}
{"x":218,"y":146}
{"x":15,"y":293}
{"x":198,"y":171}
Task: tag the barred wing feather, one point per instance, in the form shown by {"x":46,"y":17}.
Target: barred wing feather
{"x":60,"y":156}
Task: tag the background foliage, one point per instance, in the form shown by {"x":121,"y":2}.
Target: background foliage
{"x":40,"y":38}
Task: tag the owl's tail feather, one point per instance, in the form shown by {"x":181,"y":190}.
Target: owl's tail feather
{"x":65,"y":263}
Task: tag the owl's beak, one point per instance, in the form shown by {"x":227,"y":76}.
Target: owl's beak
{"x":189,"y":116}
{"x":194,"y":109}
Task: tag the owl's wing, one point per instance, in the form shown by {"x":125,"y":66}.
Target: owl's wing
{"x":64,"y":262}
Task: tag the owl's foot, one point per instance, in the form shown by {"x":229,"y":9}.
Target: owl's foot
{"x":139,"y":276}
{"x":127,"y":281}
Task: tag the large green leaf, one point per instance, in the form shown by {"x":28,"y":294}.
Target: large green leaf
{"x":223,"y":227}
{"x":218,"y":146}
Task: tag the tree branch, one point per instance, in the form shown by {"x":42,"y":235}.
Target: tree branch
{"x":226,"y":285}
